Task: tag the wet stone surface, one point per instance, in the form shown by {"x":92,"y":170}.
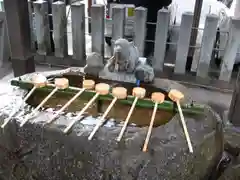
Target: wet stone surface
{"x":232,"y":147}
{"x":231,"y":138}
{"x":232,"y":172}
{"x":37,"y":152}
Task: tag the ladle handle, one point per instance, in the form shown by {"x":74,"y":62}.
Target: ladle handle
{"x":39,"y":106}
{"x":185,"y":127}
{"x":66,"y":105}
{"x":6,"y":121}
{"x":127,"y":119}
{"x":150,"y":128}
{"x":102,"y":119}
{"x":46,"y":99}
{"x":80,"y":113}
{"x":29,"y":94}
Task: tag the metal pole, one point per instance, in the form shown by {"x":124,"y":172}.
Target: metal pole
{"x":196,"y":19}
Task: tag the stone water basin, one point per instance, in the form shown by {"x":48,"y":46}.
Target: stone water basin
{"x":117,"y":114}
{"x":38,"y":152}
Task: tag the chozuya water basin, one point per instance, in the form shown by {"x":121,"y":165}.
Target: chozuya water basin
{"x":104,"y":157}
{"x":144,"y":106}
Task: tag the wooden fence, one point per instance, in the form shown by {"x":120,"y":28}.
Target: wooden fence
{"x":78,"y":58}
{"x":4,"y":42}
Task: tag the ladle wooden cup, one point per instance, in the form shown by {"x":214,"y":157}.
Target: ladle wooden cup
{"x":87,"y":84}
{"x":157,"y":98}
{"x":176,"y":96}
{"x":38,"y":81}
{"x":60,"y":83}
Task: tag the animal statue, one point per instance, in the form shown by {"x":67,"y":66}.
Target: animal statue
{"x":125,"y":57}
{"x":144,"y":72}
{"x":127,"y":64}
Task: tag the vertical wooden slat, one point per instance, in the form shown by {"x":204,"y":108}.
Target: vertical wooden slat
{"x":118,"y":22}
{"x":17,"y":19}
{"x":196,"y":20}
{"x":42,"y":27}
{"x":33,"y":38}
{"x":5,"y":47}
{"x":98,"y":27}
{"x":183,"y":42}
{"x":60,"y":29}
{"x":230,"y":51}
{"x":1,"y":42}
{"x":140,"y":28}
{"x":237,"y":10}
{"x":78,"y":32}
{"x":161,"y":35}
{"x":234,"y":112}
{"x":208,"y":39}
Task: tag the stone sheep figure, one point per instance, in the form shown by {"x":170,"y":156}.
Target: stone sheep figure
{"x":126,"y":60}
{"x":125,"y":57}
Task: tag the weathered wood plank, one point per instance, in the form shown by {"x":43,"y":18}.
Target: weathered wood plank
{"x":140,"y":28}
{"x":60,"y":29}
{"x":208,"y":39}
{"x":42,"y":27}
{"x":78,"y":31}
{"x":183,"y":43}
{"x":98,"y":27}
{"x":230,"y":51}
{"x":161,"y":35}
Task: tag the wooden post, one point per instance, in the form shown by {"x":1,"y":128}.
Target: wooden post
{"x":42,"y":27}
{"x":140,"y":29}
{"x":237,"y":9}
{"x":1,"y":42}
{"x":60,"y":29}
{"x":98,"y":27}
{"x":161,"y":35}
{"x":230,"y":51}
{"x":183,"y":43}
{"x":78,"y":32}
{"x":17,"y":17}
{"x":234,"y":112}
{"x":5,"y":49}
{"x":194,"y":32}
{"x":208,"y":39}
{"x":33,"y":31}
{"x":118,"y":23}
